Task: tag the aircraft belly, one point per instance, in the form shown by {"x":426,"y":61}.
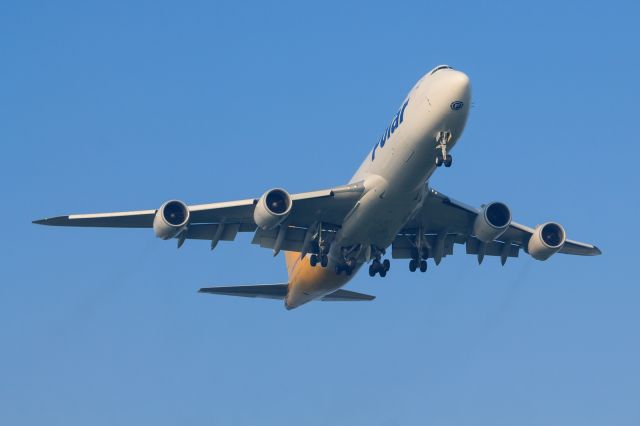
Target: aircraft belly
{"x":377,"y":219}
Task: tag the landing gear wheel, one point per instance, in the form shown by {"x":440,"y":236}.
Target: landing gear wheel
{"x":378,"y":267}
{"x":324,"y":260}
{"x":413,"y":264}
{"x":313,"y":260}
{"x":448,"y":160}
{"x":423,"y":266}
{"x":438,"y":161}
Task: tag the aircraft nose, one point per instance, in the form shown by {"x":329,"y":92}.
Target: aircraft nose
{"x":459,"y":86}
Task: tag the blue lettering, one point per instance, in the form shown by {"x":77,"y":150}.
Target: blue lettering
{"x":402,"y":110}
{"x":397,"y":121}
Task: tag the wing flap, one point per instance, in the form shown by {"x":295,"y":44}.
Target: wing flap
{"x":293,"y":239}
{"x":208,"y":231}
{"x":402,"y":246}
{"x":494,"y":248}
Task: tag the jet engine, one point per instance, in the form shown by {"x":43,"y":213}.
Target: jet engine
{"x":171,"y":219}
{"x":547,"y":239}
{"x":272,"y":209}
{"x":493,"y":219}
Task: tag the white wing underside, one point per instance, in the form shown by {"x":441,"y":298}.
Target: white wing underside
{"x":442,"y":220}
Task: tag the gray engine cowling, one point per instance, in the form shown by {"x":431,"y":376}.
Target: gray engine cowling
{"x":171,"y":219}
{"x":492,"y":221}
{"x":272,"y":209}
{"x":547,"y":239}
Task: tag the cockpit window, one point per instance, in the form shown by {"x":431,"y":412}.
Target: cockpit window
{"x":440,"y":67}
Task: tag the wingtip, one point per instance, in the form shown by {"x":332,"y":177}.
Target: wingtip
{"x":52,"y":221}
{"x":597,"y":251}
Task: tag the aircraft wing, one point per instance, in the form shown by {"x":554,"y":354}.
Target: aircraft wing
{"x":325,"y":209}
{"x":445,"y":222}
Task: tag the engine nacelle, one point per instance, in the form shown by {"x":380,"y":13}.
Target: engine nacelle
{"x":547,"y":239}
{"x":493,"y":219}
{"x":171,"y":219}
{"x":272,"y":209}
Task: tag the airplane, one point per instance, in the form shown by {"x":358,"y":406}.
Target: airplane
{"x":328,"y":235}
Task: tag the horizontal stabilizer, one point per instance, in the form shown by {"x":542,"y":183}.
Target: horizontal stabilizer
{"x":272,"y":291}
{"x":346,"y":296}
{"x":279,"y":291}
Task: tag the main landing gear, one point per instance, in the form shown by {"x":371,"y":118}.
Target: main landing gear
{"x":322,"y":248}
{"x":322,"y":258}
{"x":441,"y":150}
{"x":419,"y":260}
{"x":378,"y":267}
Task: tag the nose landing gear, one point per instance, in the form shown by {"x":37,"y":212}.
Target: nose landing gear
{"x":442,"y":157}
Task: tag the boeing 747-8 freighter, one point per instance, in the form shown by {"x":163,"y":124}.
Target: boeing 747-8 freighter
{"x":386,"y":210}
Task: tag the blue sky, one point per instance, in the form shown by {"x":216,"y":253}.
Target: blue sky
{"x":123,"y":105}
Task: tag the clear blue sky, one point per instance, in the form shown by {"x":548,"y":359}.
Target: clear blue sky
{"x":126,"y":104}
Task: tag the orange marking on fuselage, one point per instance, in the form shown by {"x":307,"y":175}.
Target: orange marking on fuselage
{"x":308,"y":282}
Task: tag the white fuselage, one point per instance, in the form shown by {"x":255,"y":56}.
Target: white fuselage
{"x":395,"y":172}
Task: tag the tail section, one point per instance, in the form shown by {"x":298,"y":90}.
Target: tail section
{"x":306,"y":283}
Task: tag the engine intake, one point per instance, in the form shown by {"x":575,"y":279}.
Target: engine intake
{"x":171,"y":219}
{"x":272,"y":209}
{"x":547,"y":239}
{"x":492,"y":221}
